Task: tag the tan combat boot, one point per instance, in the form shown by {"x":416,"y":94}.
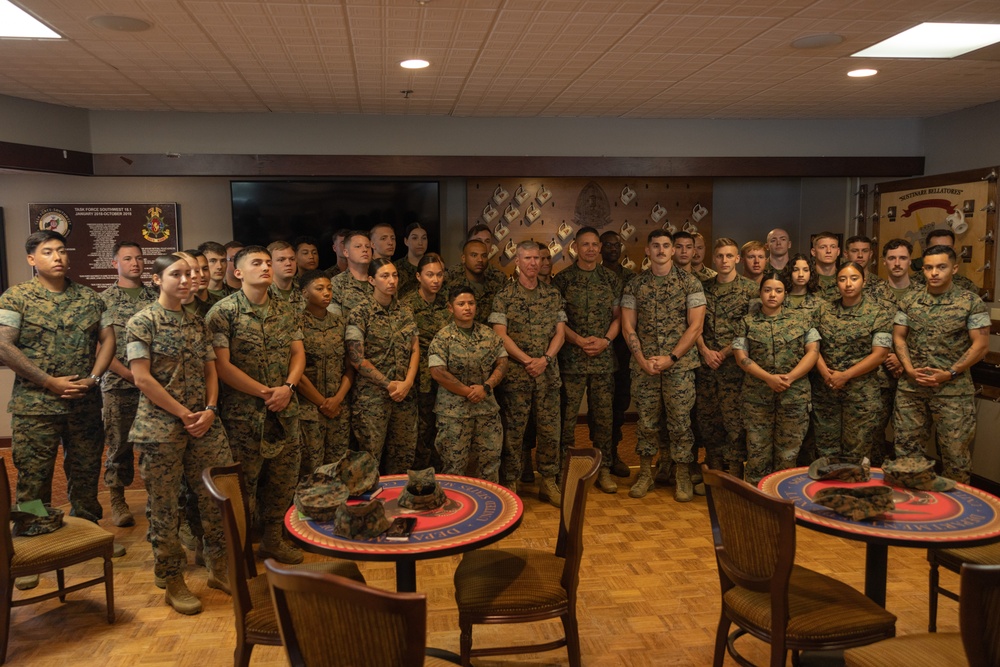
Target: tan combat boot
{"x":644,"y":482}
{"x":273,"y":546}
{"x":697,"y":480}
{"x":604,"y":481}
{"x":121,"y":515}
{"x":180,"y":598}
{"x":549,"y":490}
{"x":218,"y":575}
{"x":26,"y":583}
{"x":683,"y":492}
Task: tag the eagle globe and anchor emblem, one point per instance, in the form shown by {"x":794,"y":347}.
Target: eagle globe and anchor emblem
{"x":155,"y":230}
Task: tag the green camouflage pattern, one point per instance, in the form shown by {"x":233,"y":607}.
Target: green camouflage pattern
{"x":589,"y":299}
{"x":531,"y":316}
{"x":120,"y":308}
{"x":478,"y":439}
{"x":407,"y":277}
{"x":430,"y":318}
{"x":384,"y":428}
{"x":776,"y":344}
{"x":844,"y":469}
{"x":271,"y":478}
{"x":120,"y":406}
{"x":519,"y":402}
{"x":58,"y":333}
{"x":362,"y":521}
{"x":878,"y":288}
{"x":387,"y":333}
{"x":664,"y":403}
{"x":719,"y":411}
{"x":422,"y":491}
{"x":324,"y":439}
{"x":920,"y":280}
{"x":260,"y":348}
{"x":661,"y":304}
{"x":775,"y":431}
{"x":954,"y":422}
{"x":293,"y":296}
{"x":600,"y":390}
{"x":725,"y":305}
{"x":827,"y":289}
{"x":348,"y":293}
{"x":177,"y":351}
{"x":165,"y":466}
{"x":915,"y":472}
{"x":857,"y":503}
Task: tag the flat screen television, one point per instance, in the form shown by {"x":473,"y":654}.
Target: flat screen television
{"x":272,"y":210}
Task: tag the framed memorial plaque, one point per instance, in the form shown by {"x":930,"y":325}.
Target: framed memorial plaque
{"x":91,"y":231}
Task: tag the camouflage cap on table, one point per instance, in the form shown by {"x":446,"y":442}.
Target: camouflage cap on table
{"x":858,"y":503}
{"x":846,"y":470}
{"x":422,"y":491}
{"x":915,"y":472}
{"x":362,"y":521}
{"x":320,"y":494}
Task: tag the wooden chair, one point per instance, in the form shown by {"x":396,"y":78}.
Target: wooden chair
{"x":526,"y":585}
{"x":765,"y":594}
{"x":978,"y":644}
{"x":255,"y":619}
{"x":77,"y":541}
{"x":330,"y":621}
{"x":953,"y":559}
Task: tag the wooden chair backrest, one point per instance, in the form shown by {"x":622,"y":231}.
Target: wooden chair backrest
{"x":979,"y":614}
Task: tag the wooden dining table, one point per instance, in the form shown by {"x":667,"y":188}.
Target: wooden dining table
{"x":963,"y":517}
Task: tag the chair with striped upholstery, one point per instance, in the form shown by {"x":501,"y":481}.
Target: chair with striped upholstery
{"x":527,"y":585}
{"x":953,"y":559}
{"x":977,"y":645}
{"x":76,"y":542}
{"x":331,"y":621}
{"x":255,"y":619}
{"x":765,"y":594}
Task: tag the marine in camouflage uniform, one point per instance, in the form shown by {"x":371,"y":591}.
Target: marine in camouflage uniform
{"x":531,"y":318}
{"x":292,"y":296}
{"x":845,"y":420}
{"x":494,"y":280}
{"x":827,"y":289}
{"x":717,"y":401}
{"x":58,"y":333}
{"x":385,"y":428}
{"x":592,"y":299}
{"x":936,"y":330}
{"x":662,"y":308}
{"x":429,"y":317}
{"x":348,"y":293}
{"x":704,"y":274}
{"x":177,"y":346}
{"x":775,"y":422}
{"x":258,"y":339}
{"x":407,"y":278}
{"x":466,"y":429}
{"x":958,"y":280}
{"x":324,"y":439}
{"x":121,"y":397}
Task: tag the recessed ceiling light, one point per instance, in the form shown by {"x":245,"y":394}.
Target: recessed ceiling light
{"x":120,"y":23}
{"x":935,"y":40}
{"x":861,"y":73}
{"x":414,"y":64}
{"x":15,"y":22}
{"x":817,"y":41}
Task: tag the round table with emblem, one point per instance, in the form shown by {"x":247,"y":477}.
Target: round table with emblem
{"x":963,"y":517}
{"x":477,"y":513}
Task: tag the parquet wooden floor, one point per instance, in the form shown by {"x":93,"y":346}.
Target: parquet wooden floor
{"x":649,"y":595}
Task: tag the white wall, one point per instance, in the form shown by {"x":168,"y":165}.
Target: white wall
{"x":39,"y":124}
{"x":962,"y":140}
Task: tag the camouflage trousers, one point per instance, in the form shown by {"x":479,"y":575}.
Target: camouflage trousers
{"x":718,"y":409}
{"x":479,"y":438}
{"x":324,"y":440}
{"x":882,"y":450}
{"x":844,"y":422}
{"x":165,"y":467}
{"x":600,"y":390}
{"x":35,"y":443}
{"x":775,"y":431}
{"x":517,"y":402}
{"x":954,"y":419}
{"x":386,"y":429}
{"x":120,"y":406}
{"x":664,"y":404}
{"x":270,"y":482}
{"x":427,"y":455}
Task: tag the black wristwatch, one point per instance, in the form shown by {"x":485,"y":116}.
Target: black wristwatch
{"x":548,"y":359}
{"x":673,"y":357}
{"x":488,"y":388}
{"x":213,"y":408}
{"x":291,"y":386}
{"x":954,"y":373}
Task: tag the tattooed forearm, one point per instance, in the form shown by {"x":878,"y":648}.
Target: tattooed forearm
{"x":499,"y":371}
{"x":964,"y":359}
{"x":902,"y":353}
{"x":356,"y":355}
{"x":15,"y":359}
{"x":746,"y":362}
{"x":634,"y":345}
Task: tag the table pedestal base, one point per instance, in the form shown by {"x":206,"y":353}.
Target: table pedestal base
{"x":876,"y":570}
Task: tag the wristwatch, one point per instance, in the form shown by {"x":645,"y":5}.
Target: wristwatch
{"x":488,"y":388}
{"x":673,"y":357}
{"x":213,"y":408}
{"x":548,"y":360}
{"x":291,"y":386}
{"x":954,"y":373}
{"x":95,"y":378}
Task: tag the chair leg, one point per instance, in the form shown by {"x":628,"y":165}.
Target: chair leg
{"x":932,"y":607}
{"x":61,"y":583}
{"x":241,"y":657}
{"x":721,"y":638}
{"x":572,"y":638}
{"x":5,"y":627}
{"x":109,"y":588}
{"x":465,"y":642}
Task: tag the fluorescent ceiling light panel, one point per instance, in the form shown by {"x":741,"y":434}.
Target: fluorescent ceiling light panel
{"x":935,"y":40}
{"x":15,"y":22}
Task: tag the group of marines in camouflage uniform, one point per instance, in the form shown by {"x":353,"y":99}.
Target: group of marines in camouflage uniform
{"x":439,"y":367}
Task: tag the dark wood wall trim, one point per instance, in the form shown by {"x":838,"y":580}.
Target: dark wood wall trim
{"x":499,"y":166}
{"x":26,"y":157}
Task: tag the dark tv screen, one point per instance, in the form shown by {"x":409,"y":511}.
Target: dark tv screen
{"x":266,"y":211}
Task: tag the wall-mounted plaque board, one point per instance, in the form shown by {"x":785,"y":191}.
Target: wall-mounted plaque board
{"x":964,"y":202}
{"x":551,"y":210}
{"x":92,"y":229}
